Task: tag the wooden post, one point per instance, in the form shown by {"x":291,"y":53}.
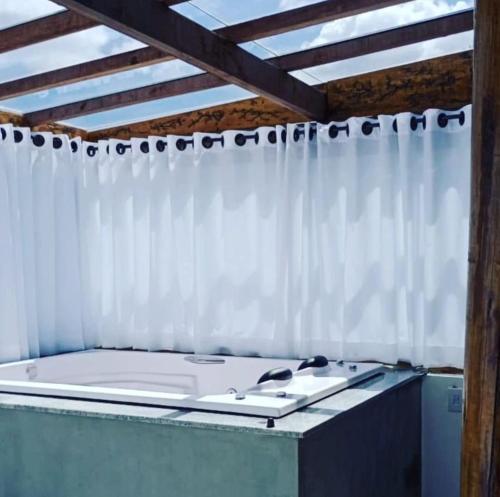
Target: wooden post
{"x":481,"y":437}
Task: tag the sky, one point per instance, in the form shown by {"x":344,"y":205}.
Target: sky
{"x":101,"y":42}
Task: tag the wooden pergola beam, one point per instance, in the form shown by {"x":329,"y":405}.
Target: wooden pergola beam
{"x":128,"y":97}
{"x":480,"y":472}
{"x":172,"y":33}
{"x":301,"y":17}
{"x":337,"y":51}
{"x":273,"y":24}
{"x":105,"y":66}
{"x":377,"y":42}
{"x":46,"y":28}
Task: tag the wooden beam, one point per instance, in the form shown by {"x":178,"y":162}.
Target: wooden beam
{"x":443,"y":82}
{"x":301,"y":17}
{"x":383,"y":40}
{"x":105,"y":66}
{"x":329,"y":53}
{"x":173,"y":33}
{"x":480,"y":471}
{"x":46,"y":28}
{"x":273,"y":24}
{"x":128,"y":97}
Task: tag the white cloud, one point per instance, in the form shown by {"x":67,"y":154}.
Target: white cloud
{"x":387,"y":18}
{"x":16,"y":12}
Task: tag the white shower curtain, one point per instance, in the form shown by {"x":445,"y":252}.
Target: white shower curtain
{"x":345,"y":239}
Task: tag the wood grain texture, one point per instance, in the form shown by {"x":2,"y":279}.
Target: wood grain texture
{"x":46,"y":28}
{"x":10,"y":117}
{"x":172,"y":33}
{"x":59,"y":128}
{"x":246,"y":114}
{"x":480,"y":472}
{"x":444,"y":82}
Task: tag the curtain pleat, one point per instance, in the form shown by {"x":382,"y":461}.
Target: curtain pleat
{"x":347,"y":239}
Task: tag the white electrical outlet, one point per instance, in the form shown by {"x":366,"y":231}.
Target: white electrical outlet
{"x":455,"y":399}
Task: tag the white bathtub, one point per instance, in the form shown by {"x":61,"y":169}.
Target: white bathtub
{"x":212,"y":383}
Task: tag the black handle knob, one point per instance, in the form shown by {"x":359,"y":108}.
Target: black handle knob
{"x":318,"y":361}
{"x":277,"y":374}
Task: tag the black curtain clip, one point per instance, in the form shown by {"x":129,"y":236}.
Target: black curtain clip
{"x":334,"y":130}
{"x":272,"y":136}
{"x":121,"y":148}
{"x":57,"y":143}
{"x":208,"y":141}
{"x":240,"y":139}
{"x":38,"y":140}
{"x":161,"y":145}
{"x":91,"y":150}
{"x":368,"y":126}
{"x":300,"y":130}
{"x":182,"y":144}
{"x":444,"y":119}
{"x":415,"y":121}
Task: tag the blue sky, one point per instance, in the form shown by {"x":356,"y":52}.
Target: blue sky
{"x":100,"y":42}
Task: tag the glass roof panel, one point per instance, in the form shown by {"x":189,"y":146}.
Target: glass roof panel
{"x":96,"y":87}
{"x":14,"y":12}
{"x":64,"y":51}
{"x":161,"y":108}
{"x":233,"y":12}
{"x":198,"y":15}
{"x":362,"y":24}
{"x":394,"y":57}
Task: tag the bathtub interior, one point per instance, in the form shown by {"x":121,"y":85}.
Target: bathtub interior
{"x":150,"y":371}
